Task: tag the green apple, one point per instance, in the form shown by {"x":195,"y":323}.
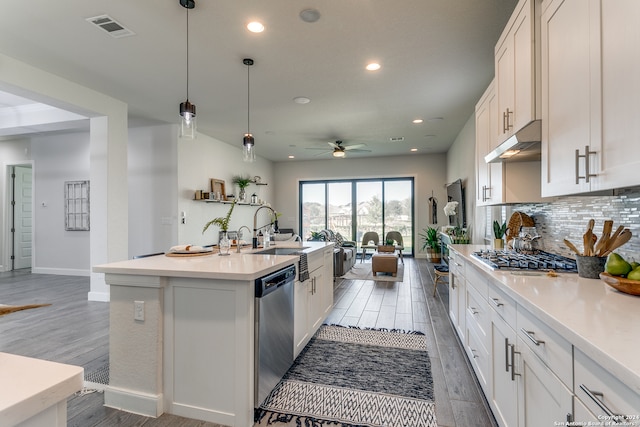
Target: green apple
{"x":616,"y":265}
{"x":635,"y":265}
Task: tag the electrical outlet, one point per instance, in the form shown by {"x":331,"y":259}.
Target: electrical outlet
{"x":138,"y":310}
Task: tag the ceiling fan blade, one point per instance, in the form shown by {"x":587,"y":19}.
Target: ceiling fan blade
{"x":333,"y":144}
{"x":317,"y":148}
{"x":354,"y":146}
{"x":322,"y":154}
{"x":358,"y":150}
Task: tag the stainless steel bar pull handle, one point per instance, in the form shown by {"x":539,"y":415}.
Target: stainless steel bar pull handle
{"x":497,"y":302}
{"x":513,"y":362}
{"x":506,"y":354}
{"x":592,"y":395}
{"x":587,"y":165}
{"x":530,"y":335}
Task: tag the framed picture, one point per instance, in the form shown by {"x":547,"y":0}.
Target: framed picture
{"x":76,"y":205}
{"x":217,"y":188}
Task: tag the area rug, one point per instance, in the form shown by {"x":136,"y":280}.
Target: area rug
{"x":362,"y":271}
{"x":355,"y":377}
{"x":6,"y":309}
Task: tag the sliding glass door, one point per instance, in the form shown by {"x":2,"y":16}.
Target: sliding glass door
{"x":353,"y":207}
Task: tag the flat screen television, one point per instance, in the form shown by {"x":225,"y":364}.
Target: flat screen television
{"x":455,"y":193}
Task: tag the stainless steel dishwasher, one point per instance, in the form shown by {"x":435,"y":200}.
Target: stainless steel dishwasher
{"x":274,"y":330}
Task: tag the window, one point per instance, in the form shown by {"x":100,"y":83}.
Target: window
{"x":353,"y":207}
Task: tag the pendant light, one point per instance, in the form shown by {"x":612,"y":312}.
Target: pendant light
{"x":248,"y":142}
{"x":187,"y":109}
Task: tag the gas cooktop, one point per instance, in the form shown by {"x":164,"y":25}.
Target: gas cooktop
{"x":531,"y":260}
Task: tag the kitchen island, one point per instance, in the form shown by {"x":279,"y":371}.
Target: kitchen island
{"x":182,"y":331}
{"x":547,"y":348}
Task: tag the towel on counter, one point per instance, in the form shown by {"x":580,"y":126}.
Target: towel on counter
{"x":186,"y":248}
{"x":303,"y":267}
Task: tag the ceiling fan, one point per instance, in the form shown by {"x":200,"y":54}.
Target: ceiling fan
{"x":339,"y":149}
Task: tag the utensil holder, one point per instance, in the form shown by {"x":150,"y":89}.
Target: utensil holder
{"x":590,"y":267}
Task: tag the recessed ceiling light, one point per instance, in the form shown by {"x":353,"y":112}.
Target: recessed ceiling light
{"x":301,"y":100}
{"x":310,"y":15}
{"x":292,"y":157}
{"x":414,"y":150}
{"x":417,"y":121}
{"x":255,"y":27}
{"x":373,"y":66}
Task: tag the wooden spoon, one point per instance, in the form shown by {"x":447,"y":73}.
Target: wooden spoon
{"x":620,"y":240}
{"x":606,"y":234}
{"x":607,"y":248}
{"x":572,"y":246}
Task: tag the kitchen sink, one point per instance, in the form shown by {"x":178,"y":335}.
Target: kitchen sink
{"x":280,"y":251}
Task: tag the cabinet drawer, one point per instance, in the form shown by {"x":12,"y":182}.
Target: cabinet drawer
{"x":315,"y":260}
{"x":478,"y":313}
{"x":503,"y":304}
{"x":477,"y":280}
{"x":551,"y":348}
{"x":457,"y":264}
{"x":600,"y":391}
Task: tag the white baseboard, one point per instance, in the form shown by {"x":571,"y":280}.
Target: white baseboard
{"x":137,"y":403}
{"x":60,"y":271}
{"x":99,"y":296}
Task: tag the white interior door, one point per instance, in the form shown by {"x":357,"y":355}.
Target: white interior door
{"x":23,"y":209}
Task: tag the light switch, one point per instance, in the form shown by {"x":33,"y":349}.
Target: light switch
{"x":138,"y":310}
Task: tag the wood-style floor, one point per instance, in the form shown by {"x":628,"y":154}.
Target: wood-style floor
{"x":75,"y":331}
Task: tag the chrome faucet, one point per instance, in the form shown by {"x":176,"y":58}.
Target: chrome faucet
{"x":255,"y":223}
{"x":239,"y":234}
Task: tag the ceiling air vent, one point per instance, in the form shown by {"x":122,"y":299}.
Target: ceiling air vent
{"x":396,"y":139}
{"x":109,"y":25}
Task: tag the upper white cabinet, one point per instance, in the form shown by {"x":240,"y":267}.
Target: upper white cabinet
{"x":590,"y":82}
{"x":517,"y":84}
{"x":498,"y":183}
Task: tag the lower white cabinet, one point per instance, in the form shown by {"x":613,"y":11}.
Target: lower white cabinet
{"x":313,"y":298}
{"x":542,"y":398}
{"x":457,"y":293}
{"x":602,"y":393}
{"x":503,"y":388}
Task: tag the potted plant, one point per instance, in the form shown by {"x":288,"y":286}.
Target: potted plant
{"x":389,"y":246}
{"x":222,"y":222}
{"x":242,"y":182}
{"x":431,"y":244}
{"x":498,"y":234}
{"x":316,"y":236}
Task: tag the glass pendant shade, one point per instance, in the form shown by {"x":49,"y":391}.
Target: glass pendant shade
{"x":188,"y":122}
{"x":248,"y":148}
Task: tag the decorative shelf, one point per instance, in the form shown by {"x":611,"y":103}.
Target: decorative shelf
{"x":228,"y":202}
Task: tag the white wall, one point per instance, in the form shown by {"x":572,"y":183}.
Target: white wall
{"x":428,"y":171}
{"x":461,"y":164}
{"x":12,"y":152}
{"x":58,"y":158}
{"x":153,"y":189}
{"x":205,"y":158}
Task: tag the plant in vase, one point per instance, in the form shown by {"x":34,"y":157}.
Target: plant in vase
{"x":431,"y":244}
{"x":498,"y":234}
{"x":388,"y":246}
{"x":223,"y":222}
{"x":316,"y":237}
{"x":242,"y":182}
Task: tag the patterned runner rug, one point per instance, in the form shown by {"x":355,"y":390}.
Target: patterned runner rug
{"x":355,"y":377}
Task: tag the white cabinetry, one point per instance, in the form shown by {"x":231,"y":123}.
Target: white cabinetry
{"x":517,"y":90}
{"x":457,"y":288}
{"x":499,"y":183}
{"x":590,"y":84}
{"x":504,"y":388}
{"x":544,"y":373}
{"x":313,"y":298}
{"x":602,"y":393}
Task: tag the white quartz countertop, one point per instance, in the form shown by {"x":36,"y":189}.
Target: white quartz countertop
{"x":599,"y":320}
{"x":236,"y":266}
{"x":30,"y":386}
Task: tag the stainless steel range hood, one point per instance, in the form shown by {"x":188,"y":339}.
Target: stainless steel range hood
{"x":523,"y":146}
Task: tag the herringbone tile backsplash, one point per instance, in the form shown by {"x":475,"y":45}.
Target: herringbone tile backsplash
{"x":567,"y":217}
